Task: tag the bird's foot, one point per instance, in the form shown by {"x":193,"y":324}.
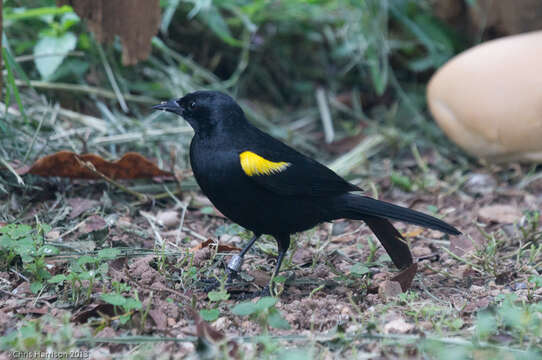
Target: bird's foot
{"x":235,"y":263}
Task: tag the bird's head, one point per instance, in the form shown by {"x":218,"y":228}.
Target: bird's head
{"x":204,"y":110}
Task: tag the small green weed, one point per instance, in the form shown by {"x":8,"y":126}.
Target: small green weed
{"x":263,"y":312}
{"x":24,"y":245}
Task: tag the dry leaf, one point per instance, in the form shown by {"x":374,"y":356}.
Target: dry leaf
{"x":210,"y":243}
{"x":159,"y":318}
{"x":92,"y":310}
{"x":34,"y":310}
{"x":93,"y":223}
{"x":80,"y":205}
{"x":66,"y":164}
{"x":413,"y":233}
{"x":134,"y":21}
{"x":501,"y":214}
{"x":205,"y":332}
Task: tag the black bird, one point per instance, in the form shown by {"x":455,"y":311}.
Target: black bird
{"x":269,"y":188}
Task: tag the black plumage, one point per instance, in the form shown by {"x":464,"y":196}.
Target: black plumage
{"x":269,"y":188}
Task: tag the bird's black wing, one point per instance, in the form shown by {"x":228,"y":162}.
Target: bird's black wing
{"x":286,"y":172}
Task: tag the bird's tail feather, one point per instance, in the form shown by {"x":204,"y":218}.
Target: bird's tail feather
{"x":392,"y":241}
{"x":358,"y":207}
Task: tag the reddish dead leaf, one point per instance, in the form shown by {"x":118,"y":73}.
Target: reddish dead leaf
{"x":93,"y":223}
{"x":135,"y":22}
{"x":210,"y":243}
{"x":159,"y":318}
{"x":80,"y":205}
{"x":34,"y":310}
{"x":406,"y":276}
{"x":65,"y":164}
{"x":302,"y":256}
{"x":92,"y":310}
{"x":261,"y":278}
{"x":207,"y":333}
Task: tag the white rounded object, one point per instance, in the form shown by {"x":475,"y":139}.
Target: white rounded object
{"x":488,"y":99}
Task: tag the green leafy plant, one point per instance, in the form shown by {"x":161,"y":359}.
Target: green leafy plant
{"x":86,"y":268}
{"x":263,"y":312}
{"x":43,"y":333}
{"x":127,"y":305}
{"x":514,"y":318}
{"x":217,"y":297}
{"x":27,"y":244}
{"x":54,"y":44}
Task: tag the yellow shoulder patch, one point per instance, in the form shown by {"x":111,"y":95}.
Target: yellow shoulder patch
{"x":254,"y":164}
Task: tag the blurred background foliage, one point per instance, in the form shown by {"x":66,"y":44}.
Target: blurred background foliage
{"x":371,"y":57}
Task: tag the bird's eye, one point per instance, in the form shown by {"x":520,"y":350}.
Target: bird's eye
{"x":192,"y":105}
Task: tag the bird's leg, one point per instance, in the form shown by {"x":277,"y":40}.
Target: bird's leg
{"x":283,"y":242}
{"x":237,"y":260}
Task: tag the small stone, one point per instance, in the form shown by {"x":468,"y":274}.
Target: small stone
{"x":389,"y":289}
{"x":398,"y":326}
{"x":221,"y":323}
{"x":168,"y":218}
{"x":420,"y":251}
{"x":381,"y":276}
{"x":53,"y":235}
{"x":425,"y":325}
{"x":500,"y":214}
{"x":480,"y":184}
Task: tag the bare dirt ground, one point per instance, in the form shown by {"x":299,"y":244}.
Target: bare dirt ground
{"x":336,"y":294}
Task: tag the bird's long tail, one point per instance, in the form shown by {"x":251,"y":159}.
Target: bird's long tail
{"x":359,"y":207}
{"x":376,"y":213}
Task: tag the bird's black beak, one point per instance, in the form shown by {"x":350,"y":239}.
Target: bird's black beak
{"x":171,"y":106}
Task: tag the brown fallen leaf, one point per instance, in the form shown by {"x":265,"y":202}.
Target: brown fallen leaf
{"x":135,"y":22}
{"x":159,"y":318}
{"x":65,"y":164}
{"x":92,"y":310}
{"x":79,"y":205}
{"x":34,"y":310}
{"x":212,"y":339}
{"x":500,"y":214}
{"x":210,"y":243}
{"x":93,"y":223}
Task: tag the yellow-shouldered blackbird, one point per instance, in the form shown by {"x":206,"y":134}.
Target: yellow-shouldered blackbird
{"x":270,"y":188}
